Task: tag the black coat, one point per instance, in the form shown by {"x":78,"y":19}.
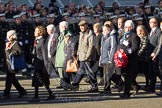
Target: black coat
{"x":40,"y":76}
{"x":133,"y":45}
{"x":154,"y":40}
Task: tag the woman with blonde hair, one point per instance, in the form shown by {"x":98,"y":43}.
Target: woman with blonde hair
{"x":40,"y":77}
{"x":143,"y":52}
{"x":12,"y":47}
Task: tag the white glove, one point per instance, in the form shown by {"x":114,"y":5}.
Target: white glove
{"x":26,"y":42}
{"x":109,"y":62}
{"x":120,"y":55}
{"x":129,"y":50}
{"x":20,"y":43}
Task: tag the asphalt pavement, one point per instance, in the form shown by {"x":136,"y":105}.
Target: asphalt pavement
{"x":80,"y":99}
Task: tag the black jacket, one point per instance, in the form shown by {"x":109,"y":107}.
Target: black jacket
{"x":154,"y":40}
{"x":132,"y":52}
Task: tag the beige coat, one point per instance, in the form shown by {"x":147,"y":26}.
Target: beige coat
{"x":86,"y":48}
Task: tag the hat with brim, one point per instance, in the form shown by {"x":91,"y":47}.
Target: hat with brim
{"x":96,"y":15}
{"x":65,"y":14}
{"x":139,"y":19}
{"x":16,"y":16}
{"x":122,"y":15}
{"x":3,"y":14}
{"x":36,"y":15}
{"x":135,"y":15}
{"x":147,"y":6}
{"x":51,"y":15}
{"x":82,"y":23}
{"x":108,"y":13}
{"x":82,"y":14}
{"x":22,"y":13}
{"x":113,"y":17}
{"x":150,"y":17}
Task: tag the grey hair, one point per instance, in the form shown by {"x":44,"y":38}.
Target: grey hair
{"x":12,"y":33}
{"x":130,"y":23}
{"x":64,"y":23}
{"x":51,"y":27}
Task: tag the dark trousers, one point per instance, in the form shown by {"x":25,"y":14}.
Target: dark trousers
{"x":69,"y":76}
{"x":160,"y":74}
{"x":117,"y":79}
{"x":51,"y":68}
{"x":27,"y":54}
{"x":86,"y":67}
{"x":36,"y":94}
{"x":130,"y":79}
{"x":101,"y":71}
{"x":11,"y":79}
{"x":153,"y":72}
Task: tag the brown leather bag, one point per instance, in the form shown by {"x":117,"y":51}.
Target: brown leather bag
{"x":72,"y":65}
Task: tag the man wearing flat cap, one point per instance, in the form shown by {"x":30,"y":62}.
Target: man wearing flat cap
{"x":87,"y":56}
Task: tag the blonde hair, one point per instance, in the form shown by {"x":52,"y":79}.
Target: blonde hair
{"x":42,"y":30}
{"x":161,"y":23}
{"x":98,"y":26}
{"x":122,"y":19}
{"x":109,"y":24}
{"x":143,"y":28}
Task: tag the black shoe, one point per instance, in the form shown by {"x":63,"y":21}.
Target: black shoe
{"x":121,"y":87}
{"x":118,"y":88}
{"x":104,"y":93}
{"x":59,"y":87}
{"x":50,"y":97}
{"x":87,"y":80}
{"x":146,"y":87}
{"x":159,"y":93}
{"x":125,"y":96}
{"x":74,"y":87}
{"x":6,"y":94}
{"x":150,"y":91}
{"x":93,"y":90}
{"x":137,"y":88}
{"x":22,"y":94}
{"x":35,"y":99}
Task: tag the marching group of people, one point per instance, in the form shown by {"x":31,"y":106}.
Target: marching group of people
{"x":94,"y":50}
